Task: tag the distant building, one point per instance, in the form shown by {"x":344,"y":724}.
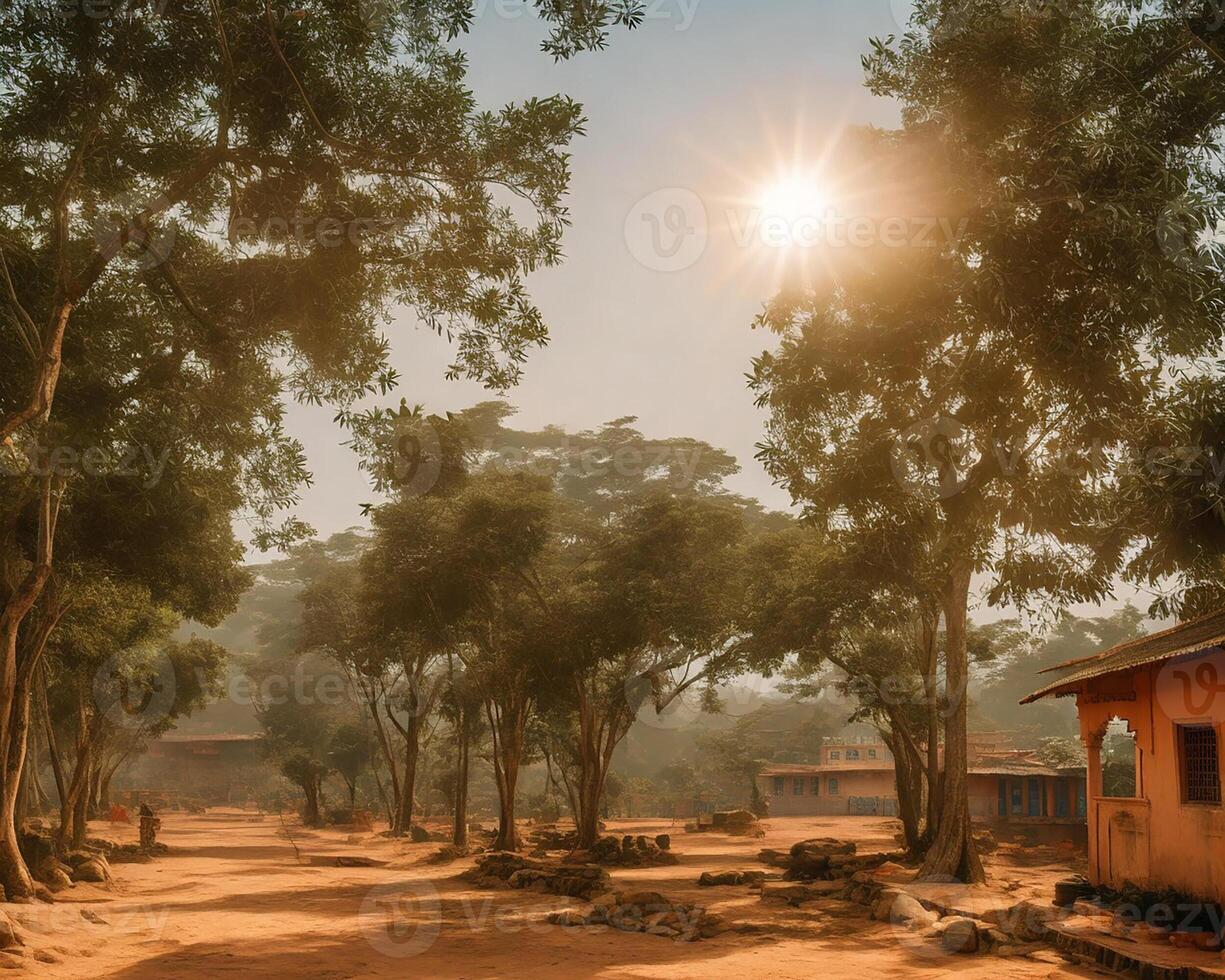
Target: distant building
{"x":1169,"y":689}
{"x":212,"y":768}
{"x":855,"y":775}
{"x":1006,"y":786}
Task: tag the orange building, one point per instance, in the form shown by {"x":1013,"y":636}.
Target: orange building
{"x":855,"y":775}
{"x":1169,"y":831}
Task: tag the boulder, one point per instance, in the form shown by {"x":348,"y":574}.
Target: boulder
{"x":9,"y":936}
{"x":908,"y":911}
{"x":664,"y":842}
{"x":418,"y":834}
{"x":90,"y":871}
{"x":960,"y":935}
{"x":56,"y":879}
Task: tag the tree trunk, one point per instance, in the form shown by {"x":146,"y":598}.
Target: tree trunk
{"x":412,"y":749}
{"x":908,"y":778}
{"x":931,"y":688}
{"x":310,"y":811}
{"x":508,"y":723}
{"x":459,"y":832}
{"x":952,"y":854}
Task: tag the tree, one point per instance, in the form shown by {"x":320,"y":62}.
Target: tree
{"x":349,"y":755}
{"x":454,"y":573}
{"x":205,"y":210}
{"x":984,"y":397}
{"x":300,"y":725}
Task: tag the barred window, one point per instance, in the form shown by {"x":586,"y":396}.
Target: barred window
{"x":797,"y":786}
{"x":816,"y":785}
{"x":779,"y":783}
{"x":1201,"y":771}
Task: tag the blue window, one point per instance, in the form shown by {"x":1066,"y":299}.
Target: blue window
{"x":1035,"y":798}
{"x":871,"y":753}
{"x":1018,"y":798}
{"x":1082,"y":808}
{"x":1061,"y":799}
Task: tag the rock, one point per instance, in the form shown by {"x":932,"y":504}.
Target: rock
{"x":663,"y":931}
{"x":10,"y":938}
{"x":56,"y":879}
{"x":568,"y":918}
{"x":664,"y":842}
{"x":795,"y":893}
{"x":648,"y":901}
{"x":418,"y":834}
{"x":960,"y":935}
{"x":46,"y":956}
{"x":91,"y":871}
{"x":908,"y":911}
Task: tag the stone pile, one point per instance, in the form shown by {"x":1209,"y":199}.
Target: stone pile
{"x":647,"y":912}
{"x":506,"y":869}
{"x":738,"y":823}
{"x":630,"y":852}
{"x":823,"y":859}
{"x":710,"y":879}
{"x":1019,"y":930}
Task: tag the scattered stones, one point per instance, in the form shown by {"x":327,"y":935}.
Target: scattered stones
{"x":710,"y":879}
{"x":796,"y":894}
{"x":505,"y":868}
{"x":647,"y":912}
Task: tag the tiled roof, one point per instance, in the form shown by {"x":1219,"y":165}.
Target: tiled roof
{"x":1191,"y":637}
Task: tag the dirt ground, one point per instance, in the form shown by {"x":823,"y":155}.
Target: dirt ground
{"x":233,"y":899}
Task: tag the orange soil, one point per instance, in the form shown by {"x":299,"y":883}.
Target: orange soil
{"x":232,"y":900}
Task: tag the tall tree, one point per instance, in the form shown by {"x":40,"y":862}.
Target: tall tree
{"x":210,"y":208}
{"x":985,"y":396}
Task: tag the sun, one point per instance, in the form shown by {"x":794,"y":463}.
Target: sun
{"x":793,"y":209}
{"x":794,"y":198}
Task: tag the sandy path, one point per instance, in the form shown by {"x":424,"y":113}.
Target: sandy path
{"x":230,"y":901}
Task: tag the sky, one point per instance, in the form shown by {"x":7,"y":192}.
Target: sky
{"x":690,"y":118}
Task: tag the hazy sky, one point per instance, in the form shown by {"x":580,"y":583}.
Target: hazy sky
{"x":707,"y":102}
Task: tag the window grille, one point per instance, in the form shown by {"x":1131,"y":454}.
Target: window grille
{"x":1200,"y":765}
